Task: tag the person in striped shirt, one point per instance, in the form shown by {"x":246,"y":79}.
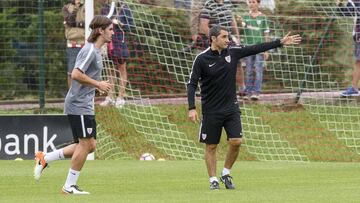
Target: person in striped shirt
{"x":219,"y":12}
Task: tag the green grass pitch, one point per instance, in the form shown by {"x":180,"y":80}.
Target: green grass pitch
{"x":183,"y":181}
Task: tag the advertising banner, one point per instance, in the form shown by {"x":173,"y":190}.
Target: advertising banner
{"x":22,"y":135}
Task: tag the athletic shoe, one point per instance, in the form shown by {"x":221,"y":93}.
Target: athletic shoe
{"x":246,"y":97}
{"x":108,"y":101}
{"x":214,"y":185}
{"x":74,"y":190}
{"x":254,"y":97}
{"x":350,"y":92}
{"x":40,"y":164}
{"x":227,"y":180}
{"x":120,"y":102}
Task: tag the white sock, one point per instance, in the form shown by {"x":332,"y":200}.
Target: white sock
{"x":54,"y":155}
{"x":225,"y":172}
{"x":72,"y":178}
{"x":214,"y":178}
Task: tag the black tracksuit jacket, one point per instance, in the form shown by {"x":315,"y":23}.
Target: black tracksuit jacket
{"x":216,"y":73}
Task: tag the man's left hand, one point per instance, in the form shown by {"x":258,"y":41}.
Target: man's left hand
{"x":291,"y":39}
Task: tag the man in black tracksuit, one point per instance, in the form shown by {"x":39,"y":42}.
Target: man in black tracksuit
{"x":215,"y":69}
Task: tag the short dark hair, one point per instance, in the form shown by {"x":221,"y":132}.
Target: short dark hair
{"x":98,"y":22}
{"x":215,"y":31}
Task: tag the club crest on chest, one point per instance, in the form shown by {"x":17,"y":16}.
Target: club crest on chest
{"x":228,"y":59}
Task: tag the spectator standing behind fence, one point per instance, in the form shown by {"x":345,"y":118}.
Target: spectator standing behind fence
{"x":352,"y":8}
{"x":74,"y":22}
{"x":219,"y":12}
{"x":118,"y":50}
{"x":256,"y":30}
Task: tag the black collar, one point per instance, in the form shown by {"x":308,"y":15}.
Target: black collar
{"x":216,"y":52}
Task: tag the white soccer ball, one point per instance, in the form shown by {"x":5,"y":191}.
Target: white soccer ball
{"x":147,"y":157}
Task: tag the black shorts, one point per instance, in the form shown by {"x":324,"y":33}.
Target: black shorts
{"x":82,"y":126}
{"x":212,"y":124}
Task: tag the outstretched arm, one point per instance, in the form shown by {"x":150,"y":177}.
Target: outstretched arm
{"x":244,"y":51}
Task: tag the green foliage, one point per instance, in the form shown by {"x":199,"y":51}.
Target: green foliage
{"x":19,"y":67}
{"x":56,"y":65}
{"x":9,"y":79}
{"x":19,"y":22}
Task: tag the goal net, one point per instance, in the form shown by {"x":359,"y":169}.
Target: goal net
{"x":163,"y":44}
{"x":306,"y":75}
{"x":300,"y":115}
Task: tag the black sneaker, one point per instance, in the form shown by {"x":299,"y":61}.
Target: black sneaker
{"x":227,"y":180}
{"x":214,"y":185}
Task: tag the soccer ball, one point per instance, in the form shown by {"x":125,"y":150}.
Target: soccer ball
{"x":147,"y":157}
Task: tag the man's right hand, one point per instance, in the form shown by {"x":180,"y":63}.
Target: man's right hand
{"x":104,"y":86}
{"x":193,"y":115}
